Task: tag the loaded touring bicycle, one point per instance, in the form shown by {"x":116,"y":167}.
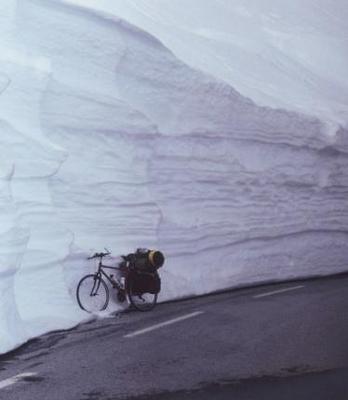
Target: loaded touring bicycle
{"x":135,"y":279}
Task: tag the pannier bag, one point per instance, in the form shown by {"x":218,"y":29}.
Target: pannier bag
{"x":145,"y":283}
{"x":145,"y":260}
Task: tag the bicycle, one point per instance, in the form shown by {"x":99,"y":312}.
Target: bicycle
{"x":93,"y":292}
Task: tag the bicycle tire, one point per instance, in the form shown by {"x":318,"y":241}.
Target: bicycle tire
{"x":139,"y":301}
{"x":89,"y":287}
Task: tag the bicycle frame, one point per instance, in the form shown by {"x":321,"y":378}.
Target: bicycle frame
{"x":114,"y":282}
{"x":122,"y":282}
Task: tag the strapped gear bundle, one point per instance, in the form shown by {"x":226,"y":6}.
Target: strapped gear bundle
{"x":145,"y":260}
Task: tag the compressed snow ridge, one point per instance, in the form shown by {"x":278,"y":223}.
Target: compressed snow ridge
{"x":111,"y":139}
{"x":291,"y":55}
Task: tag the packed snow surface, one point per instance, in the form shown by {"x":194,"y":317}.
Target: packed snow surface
{"x":215,"y":131}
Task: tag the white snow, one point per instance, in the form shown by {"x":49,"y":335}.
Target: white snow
{"x":212,"y":130}
{"x":289,"y":54}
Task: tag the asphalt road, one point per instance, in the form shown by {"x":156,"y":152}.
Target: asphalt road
{"x":284,"y":341}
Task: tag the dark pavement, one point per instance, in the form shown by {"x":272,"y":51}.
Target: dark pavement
{"x":287,"y":345}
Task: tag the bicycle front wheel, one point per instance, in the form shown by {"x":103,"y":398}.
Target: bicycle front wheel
{"x":140,"y":301}
{"x":92,"y":293}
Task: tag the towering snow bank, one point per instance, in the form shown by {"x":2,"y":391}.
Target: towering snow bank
{"x":109,"y":139}
{"x":281,"y":54}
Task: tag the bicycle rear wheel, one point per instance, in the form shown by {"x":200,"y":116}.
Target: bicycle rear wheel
{"x":92,"y":293}
{"x":140,"y":301}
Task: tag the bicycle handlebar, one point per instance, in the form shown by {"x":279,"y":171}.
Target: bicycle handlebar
{"x":98,"y":255}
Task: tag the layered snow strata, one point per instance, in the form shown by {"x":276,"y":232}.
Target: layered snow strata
{"x":109,"y":139}
{"x":280,"y":54}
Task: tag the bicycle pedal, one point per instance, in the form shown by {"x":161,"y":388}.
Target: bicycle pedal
{"x":121,"y":297}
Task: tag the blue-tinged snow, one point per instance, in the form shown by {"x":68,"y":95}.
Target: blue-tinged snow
{"x":211,"y":132}
{"x":281,"y":54}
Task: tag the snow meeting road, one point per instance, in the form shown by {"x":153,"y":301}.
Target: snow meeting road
{"x":284,"y":341}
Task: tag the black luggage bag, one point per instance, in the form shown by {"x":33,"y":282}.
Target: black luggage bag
{"x":144,"y":282}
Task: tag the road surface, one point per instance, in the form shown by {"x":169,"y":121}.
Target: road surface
{"x":281,"y":341}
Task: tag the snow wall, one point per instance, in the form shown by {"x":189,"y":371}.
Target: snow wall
{"x":112,"y":137}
